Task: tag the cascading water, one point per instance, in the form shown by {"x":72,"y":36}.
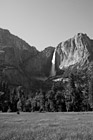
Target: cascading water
{"x":53,"y":70}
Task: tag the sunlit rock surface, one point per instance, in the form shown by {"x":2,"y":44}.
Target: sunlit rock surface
{"x":22,"y":64}
{"x":77,"y":50}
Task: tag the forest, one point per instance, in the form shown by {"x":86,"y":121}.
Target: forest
{"x":73,"y":93}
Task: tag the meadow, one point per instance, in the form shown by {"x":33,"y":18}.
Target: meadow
{"x":46,"y":126}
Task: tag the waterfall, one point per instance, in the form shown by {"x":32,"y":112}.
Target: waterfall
{"x":53,"y":71}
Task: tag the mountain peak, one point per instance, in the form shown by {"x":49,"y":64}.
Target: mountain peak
{"x":4,"y":31}
{"x":76,"y":50}
{"x":80,"y":35}
{"x":21,"y":63}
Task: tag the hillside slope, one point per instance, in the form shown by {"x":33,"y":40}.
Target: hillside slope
{"x":20,"y":62}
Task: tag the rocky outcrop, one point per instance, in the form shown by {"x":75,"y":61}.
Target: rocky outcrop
{"x":75,"y":51}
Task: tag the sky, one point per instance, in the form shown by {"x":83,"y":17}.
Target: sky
{"x":43,"y":23}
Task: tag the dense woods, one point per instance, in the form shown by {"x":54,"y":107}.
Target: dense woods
{"x":73,"y":93}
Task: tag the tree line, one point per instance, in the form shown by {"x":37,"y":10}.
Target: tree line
{"x":73,"y":93}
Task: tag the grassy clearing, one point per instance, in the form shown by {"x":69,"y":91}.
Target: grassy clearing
{"x":46,"y":126}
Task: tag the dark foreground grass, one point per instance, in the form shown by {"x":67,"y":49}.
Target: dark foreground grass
{"x":46,"y":126}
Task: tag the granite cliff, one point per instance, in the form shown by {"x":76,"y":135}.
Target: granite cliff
{"x":76,"y":51}
{"x":22,"y":64}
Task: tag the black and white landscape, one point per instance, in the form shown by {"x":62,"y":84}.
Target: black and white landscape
{"x":46,"y":70}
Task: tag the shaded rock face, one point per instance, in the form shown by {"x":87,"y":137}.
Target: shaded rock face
{"x":20,"y":62}
{"x":40,"y":65}
{"x":75,"y":51}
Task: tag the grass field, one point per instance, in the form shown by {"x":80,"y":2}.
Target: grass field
{"x":46,"y":126}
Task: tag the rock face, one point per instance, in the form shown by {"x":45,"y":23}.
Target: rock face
{"x":75,"y":51}
{"x":20,"y":62}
